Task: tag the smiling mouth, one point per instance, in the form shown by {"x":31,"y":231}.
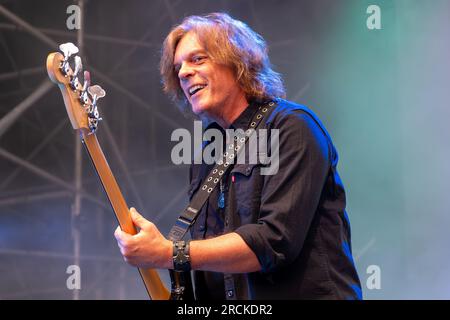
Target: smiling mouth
{"x":194,"y":89}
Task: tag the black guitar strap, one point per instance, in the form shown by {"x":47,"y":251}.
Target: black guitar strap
{"x":181,"y":282}
{"x":187,"y":218}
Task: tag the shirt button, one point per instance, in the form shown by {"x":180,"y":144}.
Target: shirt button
{"x":230,"y":293}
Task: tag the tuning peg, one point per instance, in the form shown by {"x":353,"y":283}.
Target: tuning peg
{"x":96,"y":93}
{"x":93,"y":117}
{"x":78,"y":65}
{"x":84,"y":99}
{"x":75,"y":83}
{"x":96,"y":90}
{"x":87,"y":80}
{"x":68,"y":49}
{"x":93,"y":123}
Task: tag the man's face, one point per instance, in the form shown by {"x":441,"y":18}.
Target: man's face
{"x":210,"y":88}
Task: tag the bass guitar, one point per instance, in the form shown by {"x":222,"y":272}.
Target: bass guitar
{"x":81,"y":101}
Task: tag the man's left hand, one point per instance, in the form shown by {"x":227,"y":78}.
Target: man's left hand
{"x":146,"y":249}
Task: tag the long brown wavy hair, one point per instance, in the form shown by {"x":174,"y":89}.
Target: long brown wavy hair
{"x":229,"y":42}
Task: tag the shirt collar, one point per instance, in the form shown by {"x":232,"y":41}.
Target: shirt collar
{"x":242,"y":121}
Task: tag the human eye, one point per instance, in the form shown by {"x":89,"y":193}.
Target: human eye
{"x":198,"y":59}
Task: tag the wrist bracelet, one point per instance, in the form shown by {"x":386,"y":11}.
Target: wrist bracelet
{"x":181,"y":258}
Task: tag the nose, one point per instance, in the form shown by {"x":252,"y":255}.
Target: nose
{"x":185,"y":71}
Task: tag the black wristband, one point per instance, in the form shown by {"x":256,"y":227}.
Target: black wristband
{"x":181,"y":258}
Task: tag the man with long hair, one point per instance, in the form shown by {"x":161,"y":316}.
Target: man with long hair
{"x":284,"y":235}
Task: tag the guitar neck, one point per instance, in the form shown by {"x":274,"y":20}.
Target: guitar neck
{"x":153,"y":284}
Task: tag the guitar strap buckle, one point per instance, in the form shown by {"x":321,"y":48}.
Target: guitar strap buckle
{"x":179,"y":229}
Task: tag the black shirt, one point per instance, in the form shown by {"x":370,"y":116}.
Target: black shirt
{"x":294,"y":221}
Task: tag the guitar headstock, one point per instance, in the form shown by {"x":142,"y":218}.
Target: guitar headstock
{"x":80,"y":99}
